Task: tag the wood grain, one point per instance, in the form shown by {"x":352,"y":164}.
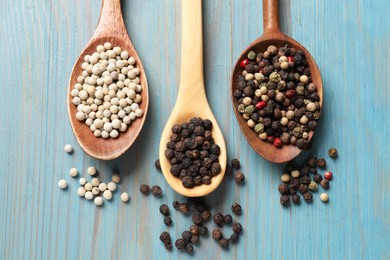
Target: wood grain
{"x":40,"y":40}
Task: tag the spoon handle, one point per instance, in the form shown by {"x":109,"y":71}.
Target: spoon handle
{"x":111,"y":20}
{"x":191,"y":74}
{"x":270,"y":16}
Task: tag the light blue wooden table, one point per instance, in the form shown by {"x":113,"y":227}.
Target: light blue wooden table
{"x":40,"y":40}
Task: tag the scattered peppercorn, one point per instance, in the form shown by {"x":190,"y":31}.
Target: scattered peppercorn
{"x":237,"y":228}
{"x":313,"y":186}
{"x":236,"y":164}
{"x":227,"y":219}
{"x":164,"y":209}
{"x":156,"y":191}
{"x":234,"y":238}
{"x":189,"y":248}
{"x":296,"y":198}
{"x":157,"y":164}
{"x":186,"y":235}
{"x":203,"y":231}
{"x":324,"y":197}
{"x":224,"y":243}
{"x":239,"y":177}
{"x":285,"y":200}
{"x":145,"y":189}
{"x":195,"y":239}
{"x":218,"y":219}
{"x":324,"y":184}
{"x":229,"y":170}
{"x":180,"y":244}
{"x":317,"y":178}
{"x":195,"y":230}
{"x":308,"y":196}
{"x":283,"y":188}
{"x":328,"y":175}
{"x":184,"y":208}
{"x":168,"y":221}
{"x":236,"y":209}
{"x":217,"y":234}
{"x":332,"y":152}
{"x":176,"y":205}
{"x":197,"y":219}
{"x":321,"y":163}
{"x":312,"y":162}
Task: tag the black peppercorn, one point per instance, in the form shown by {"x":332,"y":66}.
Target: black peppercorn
{"x":195,"y":229}
{"x":195,"y":239}
{"x":321,"y":163}
{"x":205,"y":215}
{"x":187,"y":182}
{"x":224,"y":243}
{"x":184,"y":208}
{"x":203,"y":231}
{"x":189,"y":248}
{"x":303,"y":188}
{"x":237,"y":228}
{"x":324,"y":184}
{"x":156,"y":190}
{"x":157,"y":164}
{"x":197,"y":219}
{"x":236,"y":209}
{"x":285,"y":200}
{"x":294,"y":183}
{"x":165,"y":237}
{"x":229,"y":170}
{"x":180,"y":244}
{"x":308,"y":196}
{"x":239,"y":177}
{"x":164,"y":209}
{"x":227,"y":219}
{"x":301,"y":143}
{"x":305,"y":179}
{"x":217,"y":234}
{"x":145,"y":189}
{"x":186,"y":235}
{"x":218,"y":219}
{"x":234,"y":238}
{"x":296,"y":198}
{"x":283,"y":188}
{"x":317,"y":178}
{"x":215,"y":168}
{"x":176,"y":204}
{"x":168,"y":221}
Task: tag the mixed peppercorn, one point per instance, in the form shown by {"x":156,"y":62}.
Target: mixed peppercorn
{"x":277,"y":96}
{"x":193,"y":153}
{"x":299,"y":180}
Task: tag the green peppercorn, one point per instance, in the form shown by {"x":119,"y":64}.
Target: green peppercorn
{"x":241,"y":108}
{"x":249,"y":110}
{"x":251,"y":55}
{"x":300,"y":90}
{"x":259,"y":128}
{"x":332,"y":152}
{"x":274,"y":77}
{"x":313,"y":186}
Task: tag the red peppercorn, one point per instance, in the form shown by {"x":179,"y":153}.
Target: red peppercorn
{"x":261,"y":105}
{"x":328,"y":175}
{"x":290,"y":59}
{"x":278,"y":143}
{"x":244,"y":63}
{"x":290,"y":93}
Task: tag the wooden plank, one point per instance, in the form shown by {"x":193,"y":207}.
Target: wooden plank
{"x":40,"y":41}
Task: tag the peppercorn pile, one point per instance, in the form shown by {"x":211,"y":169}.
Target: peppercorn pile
{"x":201,"y":215}
{"x":305,"y":181}
{"x":107,"y":93}
{"x":193,"y":153}
{"x":277,"y":97}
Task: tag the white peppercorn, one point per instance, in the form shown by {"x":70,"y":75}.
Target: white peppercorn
{"x":295,"y":173}
{"x":62,"y":184}
{"x":125,"y":197}
{"x":68,"y":148}
{"x":285,"y":178}
{"x":107,"y":194}
{"x":91,"y":170}
{"x":73,"y":172}
{"x":111,"y":186}
{"x":98,"y":201}
{"x":324,"y":197}
{"x":81,"y":191}
{"x":116,"y":178}
{"x":95,"y":191}
{"x":88,"y":186}
{"x":82,"y":181}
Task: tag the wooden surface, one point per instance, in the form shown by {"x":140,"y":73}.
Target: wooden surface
{"x":40,"y":40}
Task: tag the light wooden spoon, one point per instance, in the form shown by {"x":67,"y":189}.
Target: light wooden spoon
{"x":110,"y":28}
{"x":191,"y":100}
{"x":272,"y":35}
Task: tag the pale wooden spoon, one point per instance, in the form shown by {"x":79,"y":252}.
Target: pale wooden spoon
{"x":110,"y":28}
{"x":272,"y":35}
{"x":191,"y":100}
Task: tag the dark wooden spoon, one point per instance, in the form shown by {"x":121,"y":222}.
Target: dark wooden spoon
{"x":272,"y":35}
{"x":110,"y":28}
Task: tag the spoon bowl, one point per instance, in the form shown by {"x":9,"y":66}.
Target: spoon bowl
{"x":272,"y":36}
{"x":191,"y":101}
{"x":110,"y":28}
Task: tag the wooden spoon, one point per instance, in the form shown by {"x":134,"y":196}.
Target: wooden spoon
{"x":191,"y":100}
{"x":272,"y":35}
{"x":110,"y":28}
